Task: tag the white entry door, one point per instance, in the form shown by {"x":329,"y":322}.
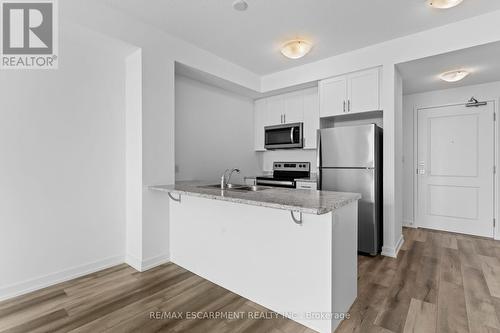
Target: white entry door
{"x":455,"y":169}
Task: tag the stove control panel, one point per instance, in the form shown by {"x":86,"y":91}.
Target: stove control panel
{"x":292,"y":166}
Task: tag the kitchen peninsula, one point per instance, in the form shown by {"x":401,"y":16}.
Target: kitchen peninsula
{"x":291,"y":251}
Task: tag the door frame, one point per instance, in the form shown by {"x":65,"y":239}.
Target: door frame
{"x":496,"y":158}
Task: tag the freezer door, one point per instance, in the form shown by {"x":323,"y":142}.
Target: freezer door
{"x":345,"y":147}
{"x":359,"y":181}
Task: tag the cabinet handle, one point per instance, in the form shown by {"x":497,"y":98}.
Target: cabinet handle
{"x":284,"y":118}
{"x":281,"y":118}
{"x":344,"y":106}
{"x":349,"y":105}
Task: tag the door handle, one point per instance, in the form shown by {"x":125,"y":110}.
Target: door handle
{"x":348,"y":105}
{"x":344,"y":107}
{"x":284,"y":118}
{"x":281,"y":118}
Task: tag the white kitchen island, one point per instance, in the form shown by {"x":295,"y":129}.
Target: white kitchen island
{"x":304,"y":268}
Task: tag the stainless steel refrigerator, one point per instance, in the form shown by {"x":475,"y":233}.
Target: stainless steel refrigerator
{"x":350,"y":160}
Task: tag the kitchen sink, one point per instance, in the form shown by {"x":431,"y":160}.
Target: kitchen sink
{"x":236,"y":187}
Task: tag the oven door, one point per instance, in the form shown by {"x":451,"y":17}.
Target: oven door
{"x":285,"y":136}
{"x":275,"y":182}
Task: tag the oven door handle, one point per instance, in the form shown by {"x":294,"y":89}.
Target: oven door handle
{"x":275,"y":182}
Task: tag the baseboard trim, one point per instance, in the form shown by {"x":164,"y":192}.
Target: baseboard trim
{"x":393,"y":251}
{"x":155,"y":261}
{"x":144,"y":265}
{"x":58,"y":277}
{"x":133,"y":262}
{"x":409,"y":223}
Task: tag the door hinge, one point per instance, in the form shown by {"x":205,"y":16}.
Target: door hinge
{"x":494,"y":116}
{"x":494,"y":222}
{"x":494,"y":169}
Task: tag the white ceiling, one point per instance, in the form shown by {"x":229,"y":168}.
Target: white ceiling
{"x":423,"y":75}
{"x":252,"y":38}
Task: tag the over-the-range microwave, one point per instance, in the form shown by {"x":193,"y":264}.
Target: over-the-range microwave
{"x":285,"y":136}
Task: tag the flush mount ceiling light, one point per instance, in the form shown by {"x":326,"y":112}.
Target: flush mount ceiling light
{"x":454,"y":76}
{"x":443,"y":4}
{"x":240,"y":5}
{"x":296,"y":48}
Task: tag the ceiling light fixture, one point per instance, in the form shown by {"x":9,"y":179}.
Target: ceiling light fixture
{"x":240,"y":5}
{"x":454,"y":76}
{"x":443,"y":4}
{"x":296,"y":48}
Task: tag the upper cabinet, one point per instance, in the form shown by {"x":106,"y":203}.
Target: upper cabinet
{"x":275,"y":110}
{"x":351,"y":93}
{"x":285,"y":109}
{"x":311,"y":118}
{"x":333,"y":96}
{"x":294,"y":108}
{"x":300,"y":106}
{"x":260,"y":120}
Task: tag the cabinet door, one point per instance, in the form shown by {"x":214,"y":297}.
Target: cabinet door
{"x":275,"y":110}
{"x":364,"y":91}
{"x":311,"y":118}
{"x":333,"y":96}
{"x":294,"y":107}
{"x":260,"y":120}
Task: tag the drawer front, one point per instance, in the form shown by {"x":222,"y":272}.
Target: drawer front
{"x":306,"y":186}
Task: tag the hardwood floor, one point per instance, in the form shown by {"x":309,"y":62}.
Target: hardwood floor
{"x":440,"y":282}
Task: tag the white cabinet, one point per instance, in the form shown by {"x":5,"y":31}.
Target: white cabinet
{"x":285,"y":109}
{"x":260,"y":120}
{"x":364,"y":91}
{"x":333,"y":96}
{"x":311,"y":118}
{"x":299,"y":106}
{"x":275,"y":110}
{"x":294,"y":108}
{"x":351,"y":93}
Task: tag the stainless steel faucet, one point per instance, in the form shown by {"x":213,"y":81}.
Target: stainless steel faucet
{"x":223,"y":181}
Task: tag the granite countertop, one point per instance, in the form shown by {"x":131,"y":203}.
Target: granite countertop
{"x":306,"y":201}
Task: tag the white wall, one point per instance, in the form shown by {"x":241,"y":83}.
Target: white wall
{"x":159,"y":52}
{"x":488,"y":92}
{"x":133,"y":98}
{"x":398,"y":159}
{"x":62,"y":148}
{"x":214,"y":131}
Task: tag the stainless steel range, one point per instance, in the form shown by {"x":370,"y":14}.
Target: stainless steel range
{"x":285,"y":174}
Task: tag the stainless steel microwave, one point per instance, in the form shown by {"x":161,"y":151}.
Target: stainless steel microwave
{"x":285,"y":136}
